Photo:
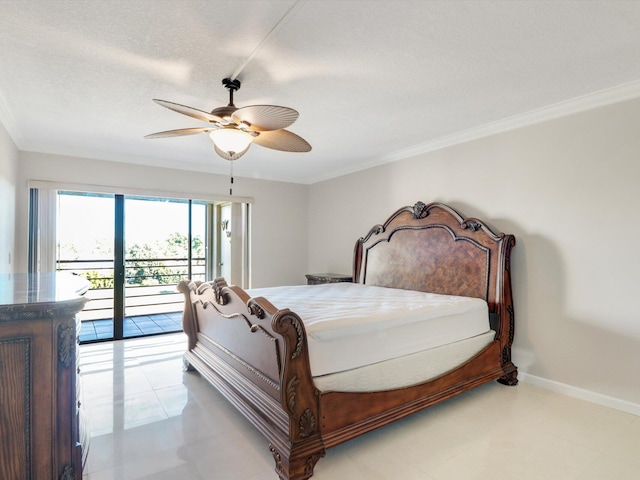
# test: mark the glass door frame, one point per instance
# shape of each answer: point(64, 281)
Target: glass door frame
point(119, 268)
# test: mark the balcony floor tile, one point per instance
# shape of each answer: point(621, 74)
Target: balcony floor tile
point(135, 326)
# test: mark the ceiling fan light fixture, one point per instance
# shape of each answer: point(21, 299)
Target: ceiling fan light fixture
point(231, 140)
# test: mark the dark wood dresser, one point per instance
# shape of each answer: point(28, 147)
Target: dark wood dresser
point(319, 278)
point(39, 407)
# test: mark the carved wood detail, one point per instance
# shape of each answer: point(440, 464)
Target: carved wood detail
point(68, 473)
point(311, 462)
point(506, 350)
point(420, 210)
point(220, 295)
point(307, 423)
point(66, 342)
point(472, 224)
point(278, 459)
point(255, 309)
point(291, 394)
point(295, 322)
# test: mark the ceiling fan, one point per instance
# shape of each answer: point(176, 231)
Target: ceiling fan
point(233, 129)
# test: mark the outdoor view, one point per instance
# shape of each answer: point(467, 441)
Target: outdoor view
point(156, 254)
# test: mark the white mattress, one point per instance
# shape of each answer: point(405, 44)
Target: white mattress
point(407, 370)
point(351, 325)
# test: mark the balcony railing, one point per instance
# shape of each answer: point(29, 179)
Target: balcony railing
point(150, 284)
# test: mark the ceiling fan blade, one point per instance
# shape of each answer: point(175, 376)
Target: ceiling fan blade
point(283, 140)
point(190, 111)
point(180, 132)
point(264, 118)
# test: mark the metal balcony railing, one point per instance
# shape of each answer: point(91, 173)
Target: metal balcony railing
point(150, 284)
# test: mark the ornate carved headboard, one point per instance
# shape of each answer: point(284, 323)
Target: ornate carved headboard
point(432, 248)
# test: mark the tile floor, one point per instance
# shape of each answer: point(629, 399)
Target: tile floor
point(136, 326)
point(149, 420)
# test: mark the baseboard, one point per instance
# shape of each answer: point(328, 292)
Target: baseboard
point(582, 394)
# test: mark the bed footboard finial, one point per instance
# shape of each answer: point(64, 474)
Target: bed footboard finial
point(255, 309)
point(189, 321)
point(218, 284)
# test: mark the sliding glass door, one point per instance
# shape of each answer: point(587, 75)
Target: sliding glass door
point(134, 250)
point(164, 242)
point(85, 246)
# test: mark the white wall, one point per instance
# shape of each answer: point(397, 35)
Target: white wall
point(8, 178)
point(569, 191)
point(279, 210)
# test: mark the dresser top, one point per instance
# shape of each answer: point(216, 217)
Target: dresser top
point(43, 290)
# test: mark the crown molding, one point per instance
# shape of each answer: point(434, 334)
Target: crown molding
point(602, 98)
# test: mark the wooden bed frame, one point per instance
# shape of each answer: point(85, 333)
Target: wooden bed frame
point(256, 355)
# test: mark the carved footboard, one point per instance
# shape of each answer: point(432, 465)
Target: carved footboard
point(257, 357)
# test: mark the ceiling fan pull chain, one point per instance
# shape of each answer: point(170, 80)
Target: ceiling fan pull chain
point(231, 179)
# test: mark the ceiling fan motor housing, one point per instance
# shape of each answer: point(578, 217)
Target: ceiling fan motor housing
point(224, 112)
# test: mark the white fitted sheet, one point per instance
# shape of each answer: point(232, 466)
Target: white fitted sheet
point(351, 325)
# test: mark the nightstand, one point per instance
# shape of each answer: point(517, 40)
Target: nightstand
point(319, 278)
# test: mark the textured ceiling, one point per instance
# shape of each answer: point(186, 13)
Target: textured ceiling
point(373, 80)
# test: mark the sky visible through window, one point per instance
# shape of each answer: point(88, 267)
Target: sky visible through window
point(87, 222)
